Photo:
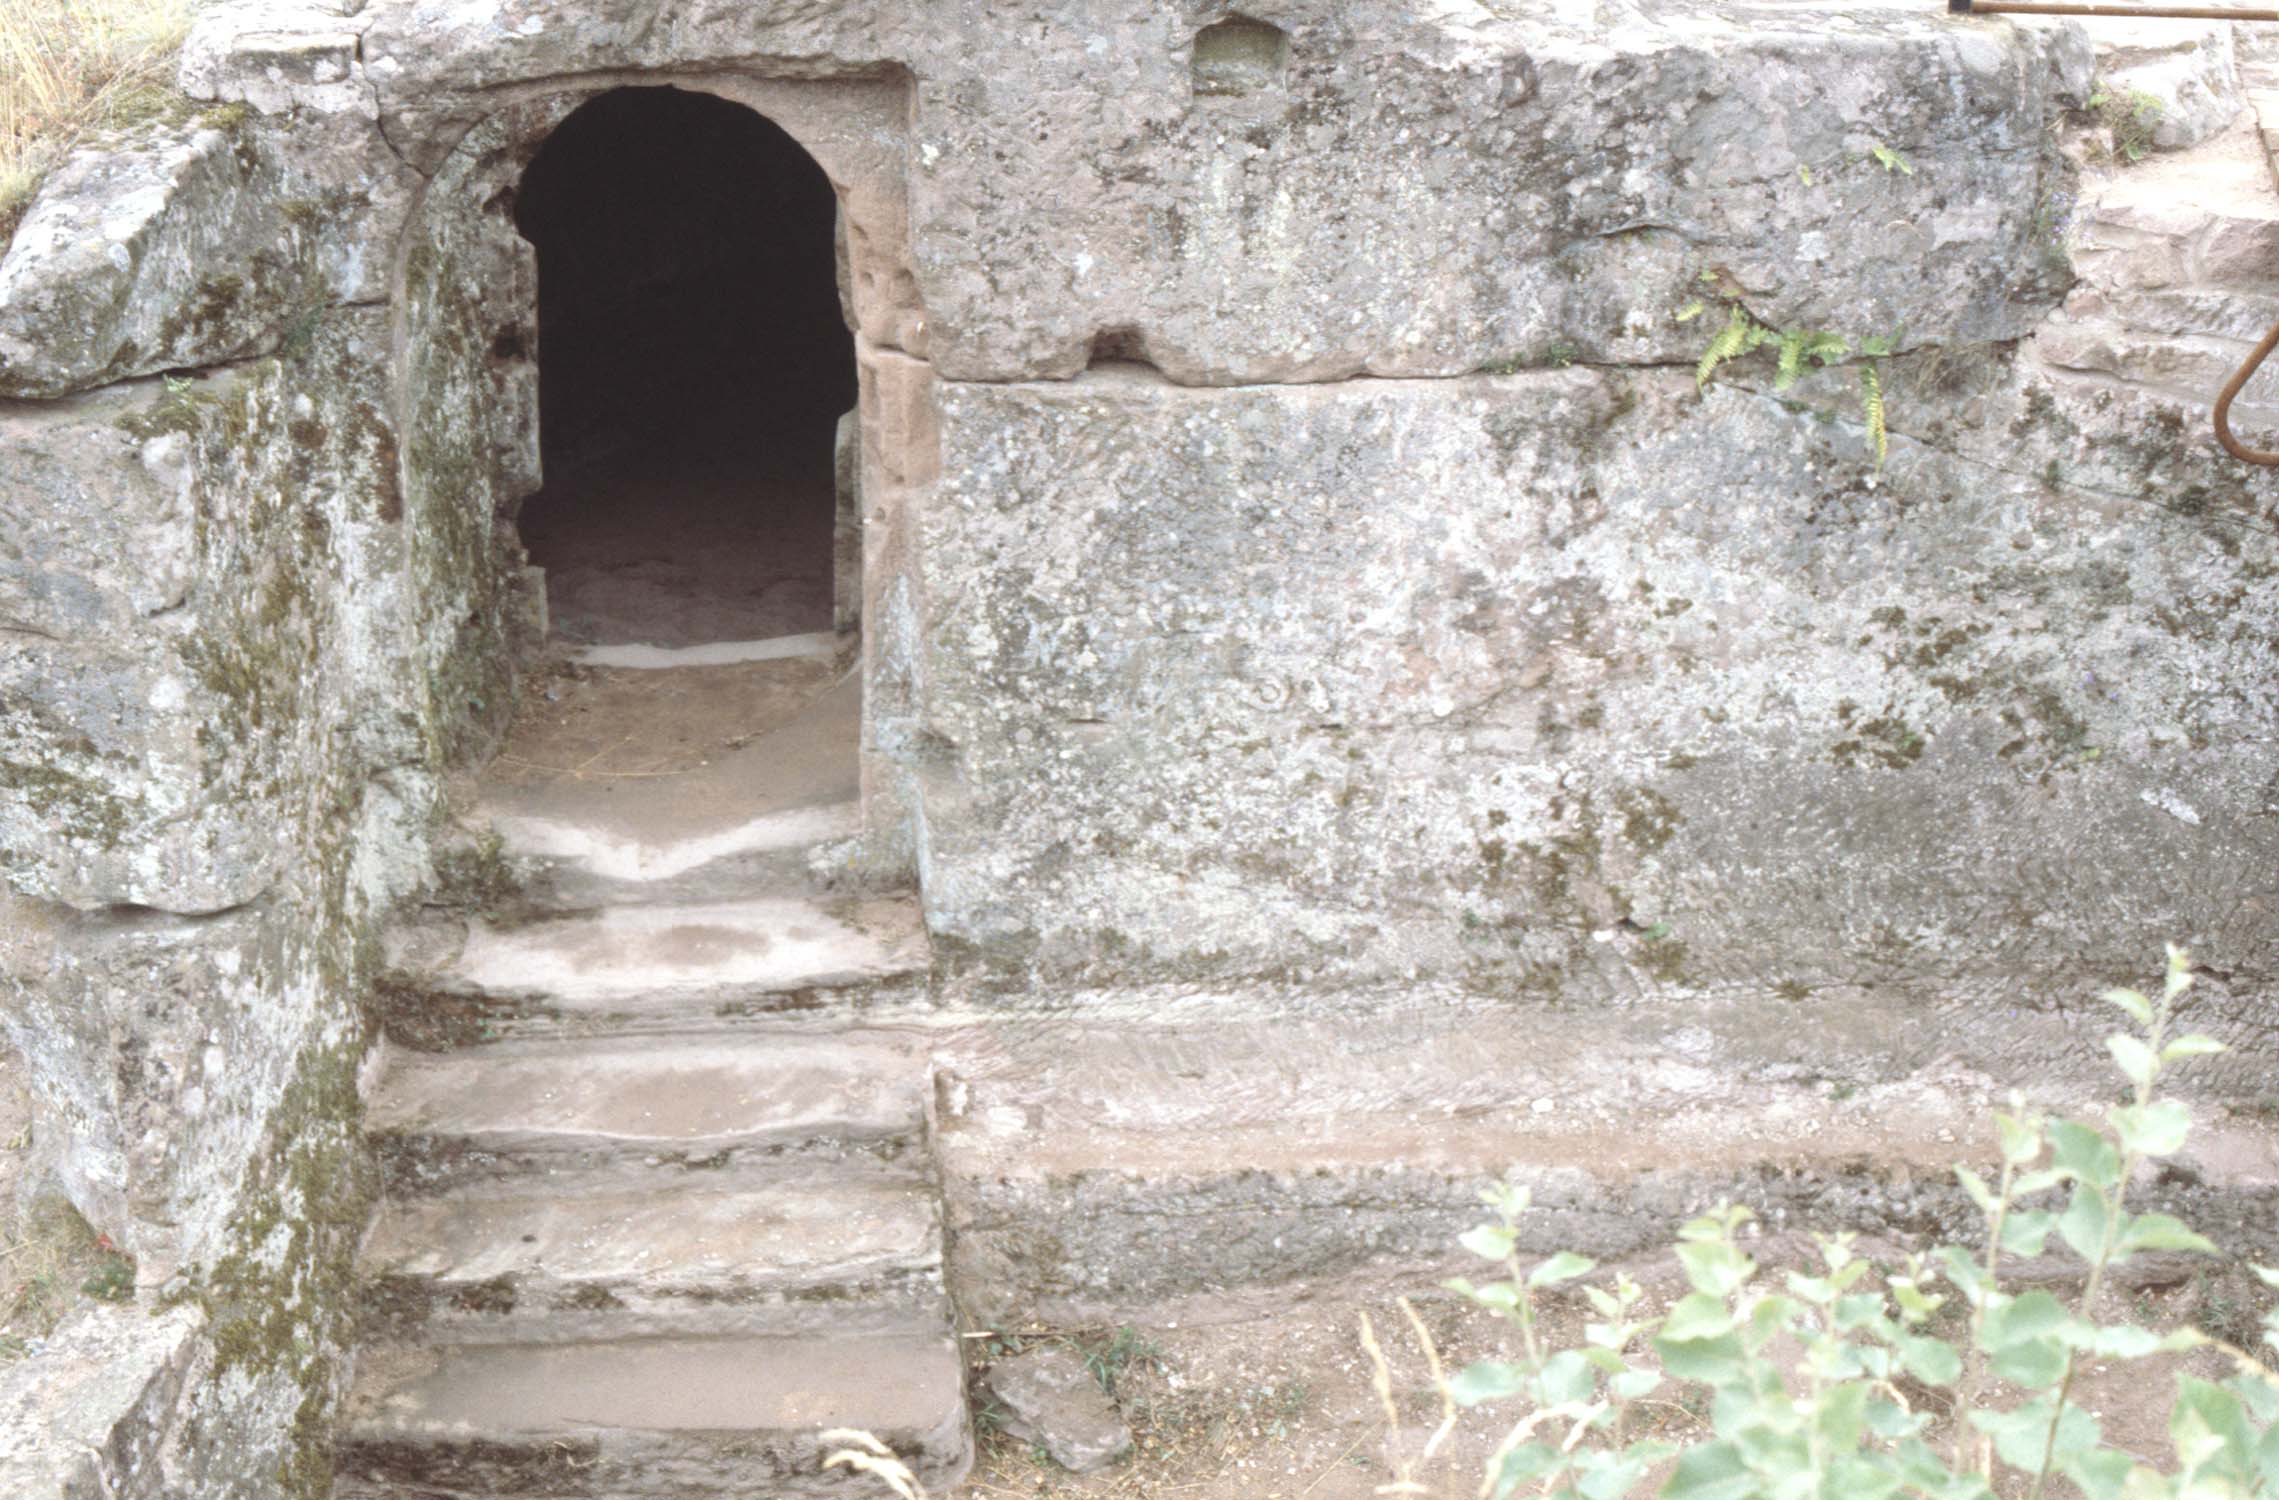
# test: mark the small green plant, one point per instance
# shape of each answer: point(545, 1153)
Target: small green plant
point(1827, 1384)
point(1109, 1359)
point(2130, 116)
point(1743, 334)
point(112, 1280)
point(1890, 160)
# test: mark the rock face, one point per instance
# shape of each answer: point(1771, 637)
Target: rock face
point(1847, 719)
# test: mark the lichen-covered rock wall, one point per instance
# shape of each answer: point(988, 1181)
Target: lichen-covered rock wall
point(1579, 684)
point(221, 766)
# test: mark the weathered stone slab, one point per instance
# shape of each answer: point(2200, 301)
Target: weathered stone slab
point(2179, 79)
point(1408, 191)
point(280, 57)
point(1049, 1397)
point(96, 516)
point(1477, 679)
point(89, 1416)
point(194, 244)
point(1095, 1167)
point(142, 257)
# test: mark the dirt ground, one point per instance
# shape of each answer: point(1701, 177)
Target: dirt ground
point(51, 1263)
point(1284, 1408)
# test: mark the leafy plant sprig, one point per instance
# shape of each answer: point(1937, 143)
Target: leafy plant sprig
point(1808, 1383)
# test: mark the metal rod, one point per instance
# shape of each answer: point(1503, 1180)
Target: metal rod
point(2232, 388)
point(2155, 12)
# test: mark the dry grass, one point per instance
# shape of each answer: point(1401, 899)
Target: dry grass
point(50, 1263)
point(69, 66)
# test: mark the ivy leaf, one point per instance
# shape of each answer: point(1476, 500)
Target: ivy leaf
point(2036, 1364)
point(1565, 1266)
point(1932, 1361)
point(1489, 1241)
point(1698, 1316)
point(2015, 1320)
point(2025, 1231)
point(2084, 1153)
point(2134, 1059)
point(2157, 1129)
point(2085, 1222)
point(2160, 1232)
point(2194, 1045)
point(1710, 1471)
point(2138, 1007)
point(1487, 1380)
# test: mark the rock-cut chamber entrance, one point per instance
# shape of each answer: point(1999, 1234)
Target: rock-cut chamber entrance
point(693, 365)
point(694, 368)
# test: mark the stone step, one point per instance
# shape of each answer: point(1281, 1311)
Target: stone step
point(780, 782)
point(652, 1418)
point(846, 1247)
point(562, 863)
point(440, 1121)
point(634, 968)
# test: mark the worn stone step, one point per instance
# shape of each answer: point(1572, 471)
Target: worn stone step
point(563, 863)
point(443, 1120)
point(781, 784)
point(634, 968)
point(650, 1418)
point(853, 1246)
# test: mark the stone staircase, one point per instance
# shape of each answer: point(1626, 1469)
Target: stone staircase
point(661, 1204)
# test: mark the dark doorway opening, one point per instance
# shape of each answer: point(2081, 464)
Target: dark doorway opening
point(693, 364)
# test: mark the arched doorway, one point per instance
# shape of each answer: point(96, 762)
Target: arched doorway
point(693, 364)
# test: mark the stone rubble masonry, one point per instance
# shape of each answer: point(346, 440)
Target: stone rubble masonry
point(1204, 676)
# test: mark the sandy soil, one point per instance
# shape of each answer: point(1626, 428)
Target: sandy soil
point(685, 541)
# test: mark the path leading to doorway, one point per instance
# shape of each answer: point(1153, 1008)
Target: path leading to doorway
point(710, 532)
point(661, 1198)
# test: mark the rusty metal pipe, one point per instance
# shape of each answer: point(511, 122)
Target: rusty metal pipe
point(2232, 388)
point(2121, 12)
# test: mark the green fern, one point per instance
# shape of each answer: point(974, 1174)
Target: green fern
point(1798, 345)
point(1740, 334)
point(1871, 391)
point(1871, 404)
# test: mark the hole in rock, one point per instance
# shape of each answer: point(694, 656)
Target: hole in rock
point(1239, 56)
point(693, 364)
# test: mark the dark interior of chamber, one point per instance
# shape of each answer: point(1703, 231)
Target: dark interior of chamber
point(693, 365)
